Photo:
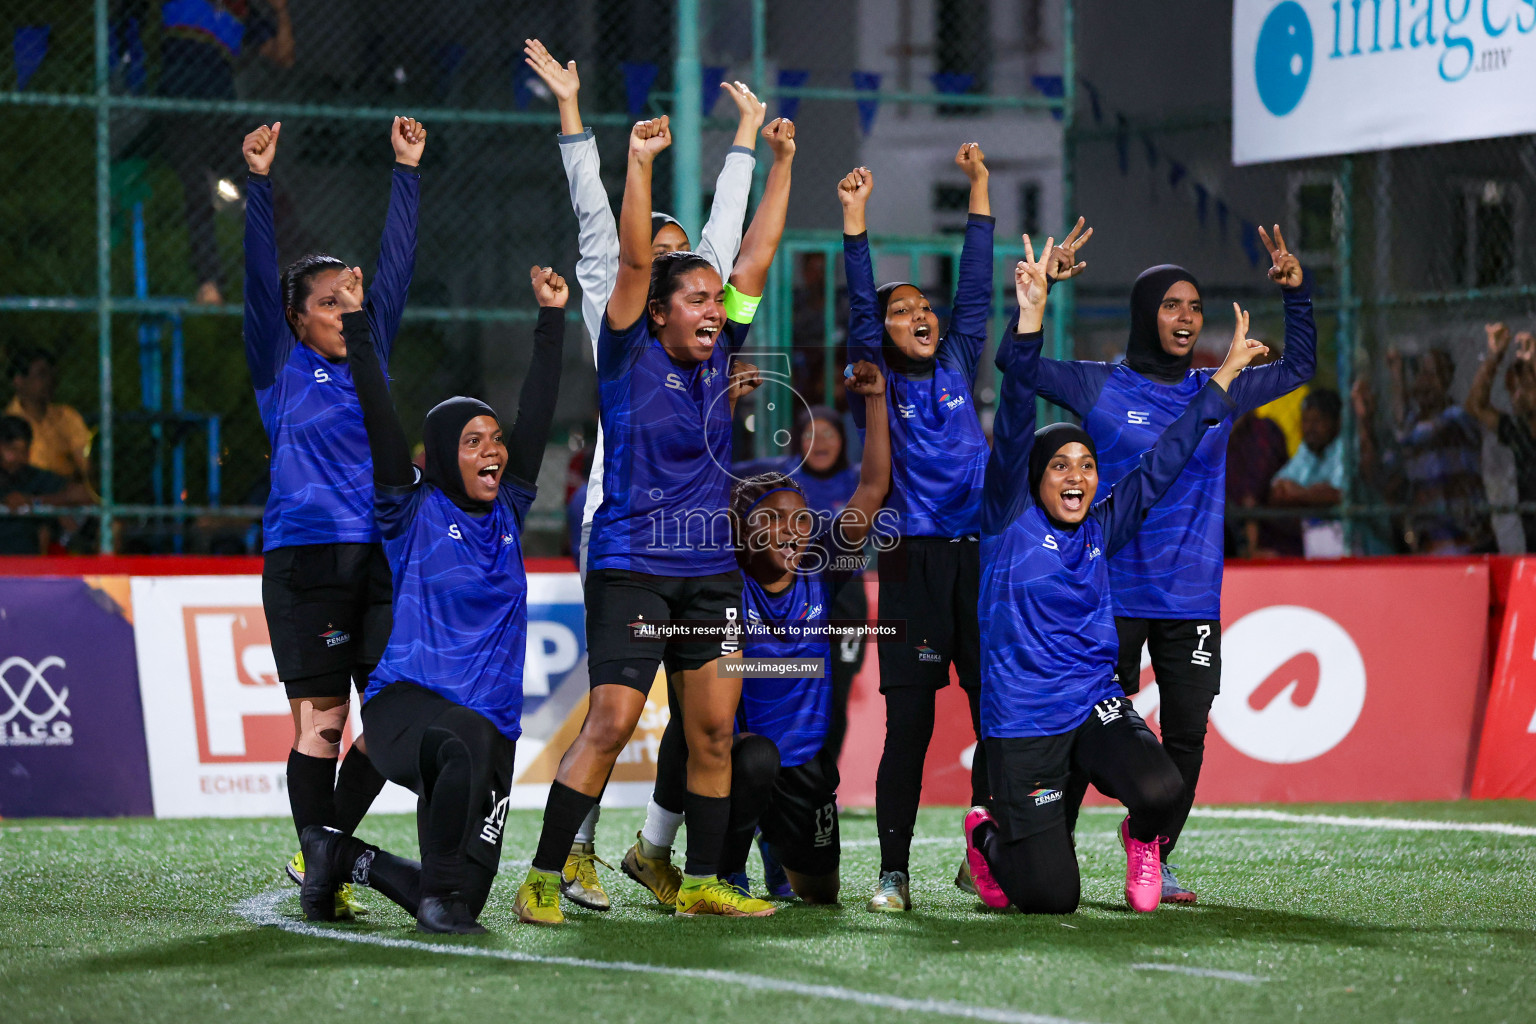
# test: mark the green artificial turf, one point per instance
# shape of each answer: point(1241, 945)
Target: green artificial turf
point(133, 920)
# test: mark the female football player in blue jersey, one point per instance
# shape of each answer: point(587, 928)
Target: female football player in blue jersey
point(929, 577)
point(795, 564)
point(325, 582)
point(661, 546)
point(443, 705)
point(1050, 702)
point(1167, 580)
point(819, 466)
point(596, 270)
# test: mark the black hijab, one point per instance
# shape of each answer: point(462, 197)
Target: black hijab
point(440, 438)
point(1049, 440)
point(1144, 352)
point(804, 418)
point(897, 360)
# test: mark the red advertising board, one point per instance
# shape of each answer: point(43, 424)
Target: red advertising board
point(1506, 761)
point(1340, 682)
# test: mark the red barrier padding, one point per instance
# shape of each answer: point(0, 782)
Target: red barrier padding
point(1506, 761)
point(1341, 682)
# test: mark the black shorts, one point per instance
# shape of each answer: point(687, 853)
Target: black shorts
point(328, 614)
point(933, 584)
point(1029, 773)
point(801, 819)
point(1185, 653)
point(852, 604)
point(403, 721)
point(617, 598)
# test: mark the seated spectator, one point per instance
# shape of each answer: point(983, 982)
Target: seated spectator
point(60, 438)
point(22, 485)
point(1314, 476)
point(1255, 453)
point(1434, 462)
point(1516, 430)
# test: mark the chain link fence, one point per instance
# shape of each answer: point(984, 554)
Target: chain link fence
point(121, 284)
point(1412, 252)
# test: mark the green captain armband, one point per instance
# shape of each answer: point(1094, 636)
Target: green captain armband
point(738, 307)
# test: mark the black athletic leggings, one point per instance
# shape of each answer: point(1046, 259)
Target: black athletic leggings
point(909, 717)
point(1030, 851)
point(1186, 659)
point(459, 765)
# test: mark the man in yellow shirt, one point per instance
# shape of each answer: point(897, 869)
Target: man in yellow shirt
point(60, 438)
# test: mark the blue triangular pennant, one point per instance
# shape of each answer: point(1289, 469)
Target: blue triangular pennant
point(867, 81)
point(790, 78)
point(639, 76)
point(30, 46)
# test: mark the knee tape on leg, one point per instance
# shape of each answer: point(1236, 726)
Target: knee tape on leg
point(320, 731)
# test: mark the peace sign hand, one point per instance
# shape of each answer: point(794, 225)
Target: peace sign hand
point(1286, 271)
point(1064, 265)
point(1030, 285)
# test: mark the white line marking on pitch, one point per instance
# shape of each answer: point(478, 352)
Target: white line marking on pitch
point(1201, 972)
point(1390, 824)
point(262, 910)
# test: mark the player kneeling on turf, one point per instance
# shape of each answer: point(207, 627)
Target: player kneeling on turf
point(1049, 700)
point(784, 782)
point(443, 707)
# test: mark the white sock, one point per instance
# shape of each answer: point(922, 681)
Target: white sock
point(589, 824)
point(661, 825)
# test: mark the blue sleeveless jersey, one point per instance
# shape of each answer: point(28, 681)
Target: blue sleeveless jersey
point(1172, 569)
point(1048, 639)
point(461, 599)
point(322, 473)
point(666, 456)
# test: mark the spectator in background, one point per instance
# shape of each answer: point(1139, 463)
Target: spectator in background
point(1314, 476)
point(201, 43)
point(60, 439)
point(1434, 462)
point(1516, 430)
point(1255, 453)
point(22, 485)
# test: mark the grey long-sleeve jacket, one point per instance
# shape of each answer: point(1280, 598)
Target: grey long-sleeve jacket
point(597, 262)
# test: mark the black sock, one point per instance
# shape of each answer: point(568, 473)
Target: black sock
point(397, 878)
point(754, 769)
point(311, 790)
point(564, 812)
point(357, 784)
point(707, 818)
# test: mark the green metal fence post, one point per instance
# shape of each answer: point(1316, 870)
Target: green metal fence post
point(104, 269)
point(687, 119)
point(1345, 358)
point(759, 81)
point(1063, 306)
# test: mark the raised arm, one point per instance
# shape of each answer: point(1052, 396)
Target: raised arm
point(268, 339)
point(1264, 384)
point(721, 237)
point(397, 249)
point(1005, 494)
point(386, 437)
point(627, 303)
point(1480, 398)
point(865, 328)
point(858, 516)
point(967, 335)
point(541, 387)
point(597, 234)
point(1126, 507)
point(750, 275)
